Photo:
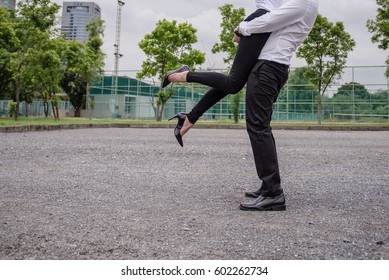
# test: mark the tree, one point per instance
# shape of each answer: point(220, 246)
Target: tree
point(353, 90)
point(35, 18)
point(230, 20)
point(299, 92)
point(325, 51)
point(7, 46)
point(166, 47)
point(84, 62)
point(75, 87)
point(73, 82)
point(380, 102)
point(380, 28)
point(44, 71)
point(94, 57)
point(351, 99)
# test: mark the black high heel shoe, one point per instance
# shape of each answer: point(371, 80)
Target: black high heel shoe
point(166, 81)
point(181, 118)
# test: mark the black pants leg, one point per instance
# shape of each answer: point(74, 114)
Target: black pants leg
point(263, 87)
point(246, 56)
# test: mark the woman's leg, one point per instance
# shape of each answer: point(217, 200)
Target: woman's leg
point(245, 59)
point(246, 56)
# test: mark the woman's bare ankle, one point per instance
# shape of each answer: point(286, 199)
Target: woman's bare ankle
point(185, 127)
point(178, 77)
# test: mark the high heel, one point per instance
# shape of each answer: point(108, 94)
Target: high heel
point(181, 118)
point(166, 81)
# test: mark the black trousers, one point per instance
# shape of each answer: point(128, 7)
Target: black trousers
point(263, 87)
point(246, 57)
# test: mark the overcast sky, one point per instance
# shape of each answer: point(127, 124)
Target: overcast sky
point(140, 17)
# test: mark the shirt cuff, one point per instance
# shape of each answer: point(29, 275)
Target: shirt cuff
point(243, 28)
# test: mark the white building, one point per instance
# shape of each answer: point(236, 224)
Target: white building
point(75, 17)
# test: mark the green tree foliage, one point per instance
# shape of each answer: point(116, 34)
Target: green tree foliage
point(353, 90)
point(38, 14)
point(380, 102)
point(44, 72)
point(73, 82)
point(166, 47)
point(351, 99)
point(300, 89)
point(230, 20)
point(325, 51)
point(93, 57)
point(33, 28)
point(7, 46)
point(34, 60)
point(380, 28)
point(84, 62)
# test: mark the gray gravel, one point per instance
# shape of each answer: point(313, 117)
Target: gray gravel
point(136, 194)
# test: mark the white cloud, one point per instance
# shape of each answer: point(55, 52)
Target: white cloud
point(355, 14)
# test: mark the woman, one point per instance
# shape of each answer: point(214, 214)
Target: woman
point(246, 57)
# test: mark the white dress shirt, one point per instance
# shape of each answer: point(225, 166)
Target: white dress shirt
point(268, 5)
point(290, 25)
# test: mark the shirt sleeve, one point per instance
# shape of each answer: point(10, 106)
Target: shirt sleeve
point(289, 13)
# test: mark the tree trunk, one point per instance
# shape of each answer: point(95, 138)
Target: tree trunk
point(77, 112)
point(17, 100)
point(88, 98)
point(27, 109)
point(46, 108)
point(53, 109)
point(319, 108)
point(160, 112)
point(55, 112)
point(157, 113)
point(155, 109)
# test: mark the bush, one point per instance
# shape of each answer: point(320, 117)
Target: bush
point(12, 108)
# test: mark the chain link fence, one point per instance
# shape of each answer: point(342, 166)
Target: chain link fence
point(362, 94)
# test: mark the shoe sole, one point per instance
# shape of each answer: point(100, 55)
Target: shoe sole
point(272, 208)
point(252, 196)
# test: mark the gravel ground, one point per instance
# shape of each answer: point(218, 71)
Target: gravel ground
point(136, 194)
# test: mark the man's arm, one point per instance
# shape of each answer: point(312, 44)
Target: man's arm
point(289, 13)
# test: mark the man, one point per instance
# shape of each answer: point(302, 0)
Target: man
point(289, 26)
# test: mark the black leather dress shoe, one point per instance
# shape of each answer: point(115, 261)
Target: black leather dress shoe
point(166, 81)
point(263, 203)
point(253, 194)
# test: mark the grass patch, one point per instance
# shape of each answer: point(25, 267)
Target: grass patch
point(23, 121)
point(50, 121)
point(332, 124)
